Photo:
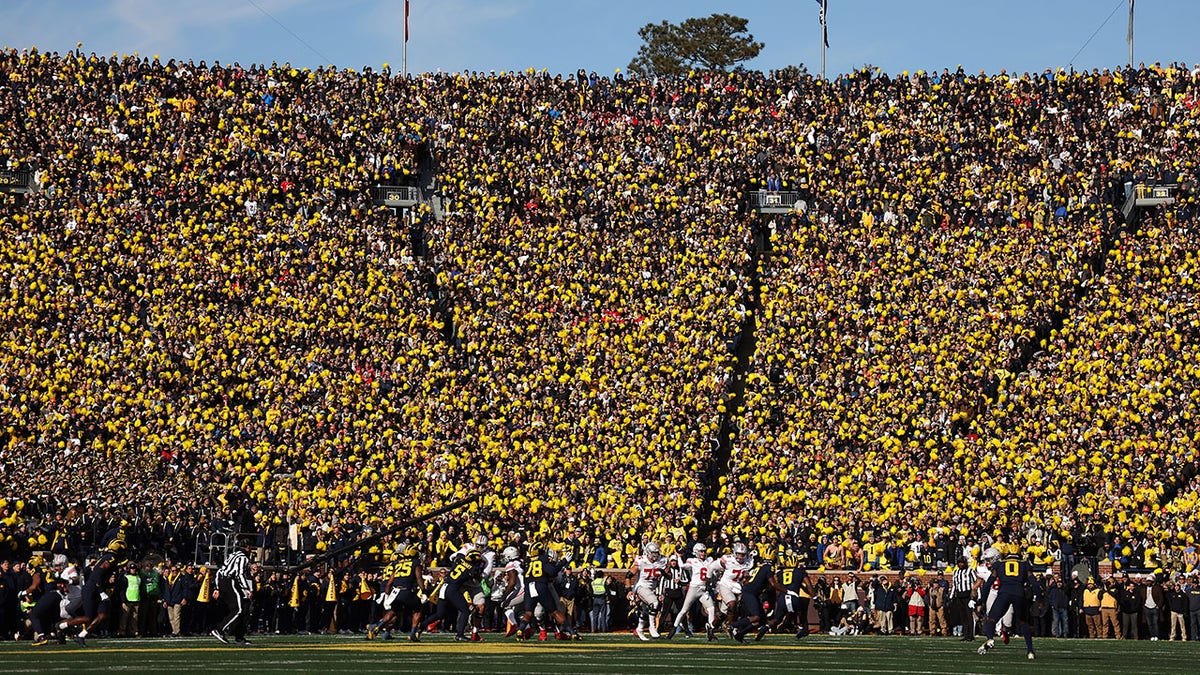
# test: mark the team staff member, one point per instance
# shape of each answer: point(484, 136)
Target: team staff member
point(234, 588)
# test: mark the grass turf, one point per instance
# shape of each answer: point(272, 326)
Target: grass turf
point(598, 654)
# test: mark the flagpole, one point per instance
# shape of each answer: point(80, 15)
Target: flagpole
point(1130, 33)
point(824, 33)
point(404, 51)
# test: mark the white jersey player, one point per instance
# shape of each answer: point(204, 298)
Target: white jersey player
point(513, 577)
point(983, 572)
point(649, 568)
point(733, 567)
point(697, 568)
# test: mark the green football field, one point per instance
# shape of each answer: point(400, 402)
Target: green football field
point(600, 654)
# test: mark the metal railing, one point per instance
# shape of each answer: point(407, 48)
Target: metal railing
point(395, 195)
point(774, 202)
point(16, 181)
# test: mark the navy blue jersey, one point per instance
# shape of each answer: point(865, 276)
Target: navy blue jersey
point(464, 572)
point(1011, 575)
point(758, 579)
point(404, 573)
point(792, 578)
point(542, 570)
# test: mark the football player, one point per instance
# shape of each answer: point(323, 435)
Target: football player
point(1012, 578)
point(401, 594)
point(512, 577)
point(458, 595)
point(100, 585)
point(697, 591)
point(47, 610)
point(733, 568)
point(543, 569)
point(475, 588)
point(794, 598)
point(758, 580)
point(985, 589)
point(648, 568)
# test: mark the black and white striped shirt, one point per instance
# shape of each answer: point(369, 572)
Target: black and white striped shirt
point(237, 570)
point(964, 581)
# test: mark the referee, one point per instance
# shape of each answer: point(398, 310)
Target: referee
point(234, 586)
point(960, 600)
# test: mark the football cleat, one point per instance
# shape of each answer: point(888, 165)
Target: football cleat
point(215, 633)
point(985, 647)
point(712, 635)
point(40, 641)
point(542, 635)
point(1031, 656)
point(654, 631)
point(739, 637)
point(461, 638)
point(577, 637)
point(511, 630)
point(641, 634)
point(671, 633)
point(762, 631)
point(372, 631)
point(1004, 634)
point(559, 635)
point(476, 637)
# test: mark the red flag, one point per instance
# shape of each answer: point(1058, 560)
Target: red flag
point(405, 21)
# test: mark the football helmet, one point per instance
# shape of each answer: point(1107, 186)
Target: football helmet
point(510, 554)
point(653, 552)
point(481, 542)
point(991, 555)
point(699, 551)
point(740, 552)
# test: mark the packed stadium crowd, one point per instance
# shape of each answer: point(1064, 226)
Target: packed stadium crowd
point(955, 340)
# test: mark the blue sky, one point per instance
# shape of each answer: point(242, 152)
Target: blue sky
point(601, 35)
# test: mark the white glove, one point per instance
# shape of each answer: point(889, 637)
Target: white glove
point(971, 604)
point(104, 596)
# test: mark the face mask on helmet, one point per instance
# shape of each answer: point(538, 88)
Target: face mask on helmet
point(740, 552)
point(652, 552)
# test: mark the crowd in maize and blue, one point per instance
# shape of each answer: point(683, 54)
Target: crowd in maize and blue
point(207, 324)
